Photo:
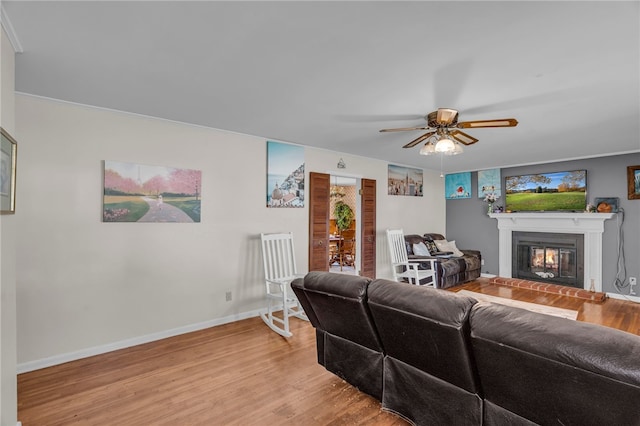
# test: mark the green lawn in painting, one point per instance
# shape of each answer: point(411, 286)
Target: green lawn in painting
point(187, 204)
point(548, 201)
point(124, 208)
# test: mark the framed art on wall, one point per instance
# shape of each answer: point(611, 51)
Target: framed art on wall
point(143, 193)
point(633, 182)
point(8, 152)
point(489, 183)
point(285, 175)
point(457, 186)
point(405, 181)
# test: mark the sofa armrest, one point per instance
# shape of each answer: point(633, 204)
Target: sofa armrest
point(424, 262)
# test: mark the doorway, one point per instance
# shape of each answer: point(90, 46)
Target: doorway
point(344, 215)
point(319, 220)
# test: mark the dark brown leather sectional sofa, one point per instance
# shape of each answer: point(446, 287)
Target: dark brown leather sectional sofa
point(438, 358)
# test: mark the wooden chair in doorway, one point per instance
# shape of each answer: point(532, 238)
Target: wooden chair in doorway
point(348, 248)
point(279, 270)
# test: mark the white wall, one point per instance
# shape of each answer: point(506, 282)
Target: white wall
point(85, 286)
point(8, 232)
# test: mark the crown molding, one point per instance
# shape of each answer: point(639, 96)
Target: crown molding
point(8, 29)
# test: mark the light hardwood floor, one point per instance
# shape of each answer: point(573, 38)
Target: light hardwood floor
point(235, 374)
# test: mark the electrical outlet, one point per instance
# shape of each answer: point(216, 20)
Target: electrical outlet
point(632, 283)
point(229, 296)
point(482, 262)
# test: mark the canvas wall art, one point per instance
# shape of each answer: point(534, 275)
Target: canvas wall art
point(457, 186)
point(142, 193)
point(285, 175)
point(8, 152)
point(633, 182)
point(405, 181)
point(489, 183)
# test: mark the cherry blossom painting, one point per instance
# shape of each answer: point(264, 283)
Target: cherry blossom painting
point(143, 193)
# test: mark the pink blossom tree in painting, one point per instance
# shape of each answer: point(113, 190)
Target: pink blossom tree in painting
point(185, 181)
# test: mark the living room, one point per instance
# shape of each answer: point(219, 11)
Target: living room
point(74, 286)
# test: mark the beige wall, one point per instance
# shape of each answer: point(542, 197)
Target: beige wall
point(8, 235)
point(85, 286)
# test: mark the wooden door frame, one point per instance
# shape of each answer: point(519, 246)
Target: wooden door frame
point(319, 196)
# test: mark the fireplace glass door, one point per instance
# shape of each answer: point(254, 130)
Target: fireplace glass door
point(549, 262)
point(554, 258)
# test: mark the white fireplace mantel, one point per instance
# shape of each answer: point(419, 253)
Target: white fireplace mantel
point(591, 225)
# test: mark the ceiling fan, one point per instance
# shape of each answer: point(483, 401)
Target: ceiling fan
point(444, 126)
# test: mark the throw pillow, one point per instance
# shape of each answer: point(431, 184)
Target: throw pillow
point(431, 246)
point(421, 249)
point(444, 245)
point(409, 248)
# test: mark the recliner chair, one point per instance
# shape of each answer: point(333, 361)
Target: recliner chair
point(348, 344)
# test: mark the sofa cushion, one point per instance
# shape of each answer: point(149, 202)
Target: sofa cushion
point(421, 249)
point(444, 245)
point(425, 315)
point(431, 245)
point(339, 302)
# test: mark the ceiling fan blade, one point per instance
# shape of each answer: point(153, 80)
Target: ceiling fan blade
point(503, 122)
point(462, 137)
point(404, 129)
point(447, 116)
point(419, 139)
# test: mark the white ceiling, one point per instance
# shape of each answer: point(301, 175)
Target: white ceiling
point(331, 74)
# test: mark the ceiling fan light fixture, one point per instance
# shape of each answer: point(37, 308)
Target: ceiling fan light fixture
point(427, 149)
point(458, 149)
point(445, 145)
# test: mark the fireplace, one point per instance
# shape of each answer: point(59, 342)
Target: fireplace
point(589, 225)
point(556, 258)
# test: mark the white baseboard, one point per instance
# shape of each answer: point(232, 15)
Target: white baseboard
point(624, 297)
point(109, 347)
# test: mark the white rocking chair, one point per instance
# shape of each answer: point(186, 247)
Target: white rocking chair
point(401, 267)
point(279, 270)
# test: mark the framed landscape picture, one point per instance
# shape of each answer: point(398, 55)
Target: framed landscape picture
point(143, 193)
point(633, 182)
point(8, 152)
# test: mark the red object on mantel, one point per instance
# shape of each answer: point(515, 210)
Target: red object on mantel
point(550, 288)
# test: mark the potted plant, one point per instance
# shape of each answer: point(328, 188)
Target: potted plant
point(344, 216)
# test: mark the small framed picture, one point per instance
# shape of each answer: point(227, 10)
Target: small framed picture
point(8, 151)
point(633, 182)
point(607, 205)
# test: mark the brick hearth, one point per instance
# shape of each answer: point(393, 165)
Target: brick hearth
point(550, 288)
